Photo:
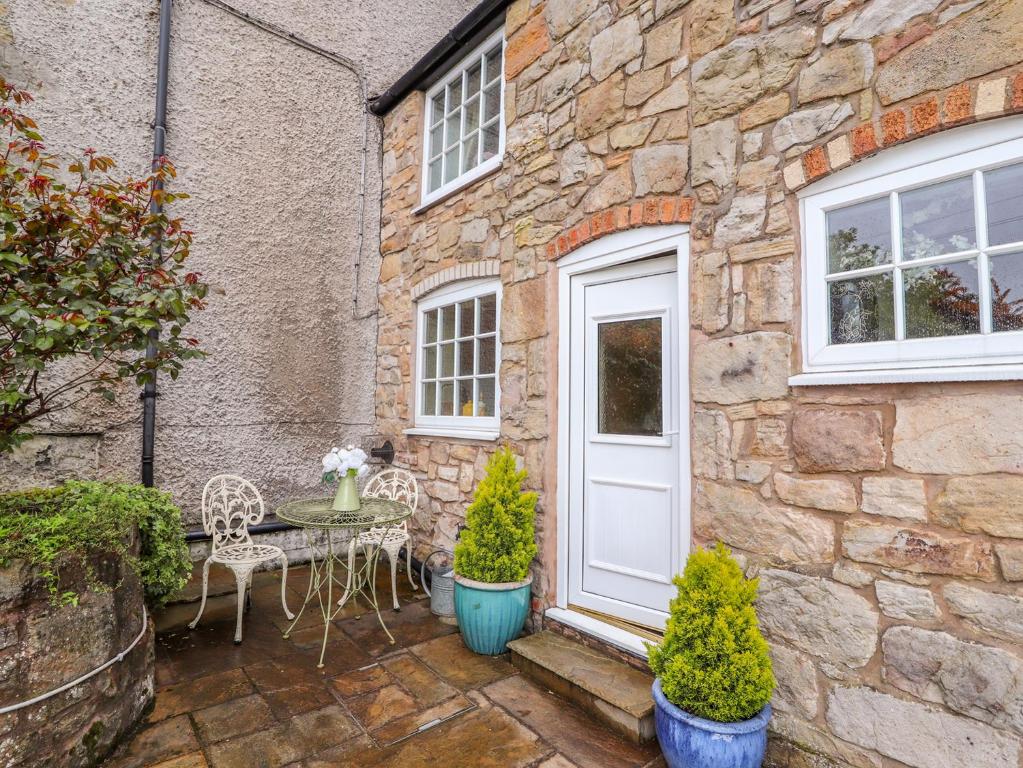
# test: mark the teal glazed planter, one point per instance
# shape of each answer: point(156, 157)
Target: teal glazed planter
point(688, 741)
point(491, 615)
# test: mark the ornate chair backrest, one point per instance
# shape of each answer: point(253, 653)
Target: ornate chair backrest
point(230, 504)
point(396, 485)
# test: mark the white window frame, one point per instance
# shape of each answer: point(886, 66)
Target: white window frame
point(472, 427)
point(487, 166)
point(952, 154)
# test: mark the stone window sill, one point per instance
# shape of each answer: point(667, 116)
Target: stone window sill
point(909, 375)
point(459, 434)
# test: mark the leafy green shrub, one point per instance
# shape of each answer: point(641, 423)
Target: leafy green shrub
point(713, 662)
point(71, 526)
point(497, 545)
point(89, 267)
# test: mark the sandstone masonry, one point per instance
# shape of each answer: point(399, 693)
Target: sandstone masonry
point(883, 520)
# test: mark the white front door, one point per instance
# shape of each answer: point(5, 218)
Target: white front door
point(626, 427)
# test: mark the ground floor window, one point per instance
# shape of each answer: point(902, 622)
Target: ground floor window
point(458, 357)
point(920, 265)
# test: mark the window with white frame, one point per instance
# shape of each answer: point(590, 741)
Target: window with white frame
point(459, 356)
point(918, 263)
point(464, 128)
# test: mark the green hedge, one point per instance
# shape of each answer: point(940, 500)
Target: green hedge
point(73, 525)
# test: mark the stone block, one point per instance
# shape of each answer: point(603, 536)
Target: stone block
point(834, 440)
point(564, 16)
point(660, 168)
point(977, 680)
point(917, 551)
point(982, 505)
point(1010, 558)
point(822, 618)
point(614, 46)
point(601, 106)
point(951, 55)
point(901, 601)
point(835, 495)
point(714, 151)
point(526, 46)
point(712, 439)
point(808, 125)
point(740, 518)
point(959, 435)
point(913, 733)
point(1001, 615)
point(743, 221)
point(736, 75)
point(838, 72)
point(663, 42)
point(796, 675)
point(739, 369)
point(904, 498)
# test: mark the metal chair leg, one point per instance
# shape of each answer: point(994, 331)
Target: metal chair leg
point(284, 587)
point(408, 564)
point(242, 580)
point(392, 557)
point(205, 584)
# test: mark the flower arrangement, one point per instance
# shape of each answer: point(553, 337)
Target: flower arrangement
point(341, 462)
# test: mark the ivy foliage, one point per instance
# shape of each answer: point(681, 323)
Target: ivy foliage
point(713, 662)
point(71, 527)
point(90, 267)
point(498, 543)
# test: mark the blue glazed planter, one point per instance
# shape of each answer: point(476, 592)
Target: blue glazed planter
point(688, 741)
point(491, 615)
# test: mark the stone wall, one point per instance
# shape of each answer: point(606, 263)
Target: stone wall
point(881, 519)
point(43, 646)
point(267, 138)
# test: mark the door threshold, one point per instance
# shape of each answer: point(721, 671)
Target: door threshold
point(625, 636)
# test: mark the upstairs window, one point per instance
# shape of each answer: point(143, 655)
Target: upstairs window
point(464, 125)
point(920, 267)
point(459, 357)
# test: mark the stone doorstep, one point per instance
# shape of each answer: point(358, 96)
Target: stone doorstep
point(606, 688)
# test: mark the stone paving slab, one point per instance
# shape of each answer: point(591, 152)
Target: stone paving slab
point(426, 701)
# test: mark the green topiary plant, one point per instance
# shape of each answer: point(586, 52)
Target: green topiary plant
point(498, 543)
point(54, 528)
point(713, 662)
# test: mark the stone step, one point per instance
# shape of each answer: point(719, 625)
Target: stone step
point(607, 688)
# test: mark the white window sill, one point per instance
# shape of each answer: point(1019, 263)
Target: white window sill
point(460, 434)
point(609, 633)
point(909, 375)
point(480, 172)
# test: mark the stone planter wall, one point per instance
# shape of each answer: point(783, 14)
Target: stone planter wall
point(43, 646)
point(883, 521)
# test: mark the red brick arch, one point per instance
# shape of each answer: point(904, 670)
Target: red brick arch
point(969, 102)
point(651, 210)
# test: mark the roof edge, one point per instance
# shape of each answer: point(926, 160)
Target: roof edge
point(471, 25)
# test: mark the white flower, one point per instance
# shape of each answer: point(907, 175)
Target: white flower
point(331, 462)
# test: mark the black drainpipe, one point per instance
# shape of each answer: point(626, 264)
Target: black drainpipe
point(159, 149)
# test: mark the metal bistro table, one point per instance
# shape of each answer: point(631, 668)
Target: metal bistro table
point(312, 515)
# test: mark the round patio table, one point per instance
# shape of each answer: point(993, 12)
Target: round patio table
point(314, 516)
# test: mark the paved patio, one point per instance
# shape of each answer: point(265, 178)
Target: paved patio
point(425, 701)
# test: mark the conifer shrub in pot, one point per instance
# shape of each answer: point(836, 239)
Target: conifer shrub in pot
point(714, 678)
point(492, 557)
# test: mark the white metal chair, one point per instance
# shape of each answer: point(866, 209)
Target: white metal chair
point(397, 485)
point(230, 505)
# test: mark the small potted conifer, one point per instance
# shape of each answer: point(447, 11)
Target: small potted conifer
point(492, 557)
point(714, 678)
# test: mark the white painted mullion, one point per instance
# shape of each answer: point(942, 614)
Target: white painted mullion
point(897, 282)
point(983, 266)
